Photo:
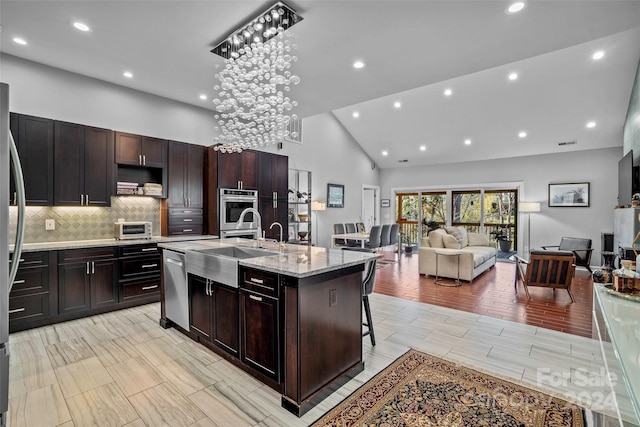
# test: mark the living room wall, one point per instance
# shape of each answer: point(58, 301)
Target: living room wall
point(533, 174)
point(632, 122)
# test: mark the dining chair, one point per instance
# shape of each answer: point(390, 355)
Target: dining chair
point(394, 238)
point(374, 237)
point(350, 227)
point(385, 235)
point(339, 229)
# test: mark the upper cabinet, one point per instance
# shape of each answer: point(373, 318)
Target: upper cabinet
point(238, 170)
point(185, 175)
point(274, 176)
point(34, 139)
point(83, 158)
point(140, 150)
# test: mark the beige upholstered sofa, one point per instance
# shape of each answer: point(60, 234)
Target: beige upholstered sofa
point(476, 253)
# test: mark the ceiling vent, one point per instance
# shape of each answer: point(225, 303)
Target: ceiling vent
point(567, 143)
point(403, 161)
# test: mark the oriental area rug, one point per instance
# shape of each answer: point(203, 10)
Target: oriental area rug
point(423, 390)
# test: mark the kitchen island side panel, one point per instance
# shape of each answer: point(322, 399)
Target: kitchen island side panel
point(323, 338)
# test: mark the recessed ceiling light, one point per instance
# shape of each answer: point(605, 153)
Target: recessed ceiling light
point(591, 125)
point(358, 64)
point(397, 104)
point(598, 55)
point(522, 134)
point(128, 74)
point(423, 148)
point(448, 92)
point(355, 114)
point(467, 142)
point(19, 40)
point(513, 76)
point(515, 7)
point(81, 26)
point(203, 96)
point(385, 153)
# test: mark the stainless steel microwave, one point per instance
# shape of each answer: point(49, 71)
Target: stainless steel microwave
point(133, 230)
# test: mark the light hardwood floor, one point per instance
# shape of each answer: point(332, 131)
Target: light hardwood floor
point(123, 369)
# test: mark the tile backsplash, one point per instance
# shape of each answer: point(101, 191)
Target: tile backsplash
point(85, 223)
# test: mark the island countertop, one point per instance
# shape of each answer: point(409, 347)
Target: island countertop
point(295, 260)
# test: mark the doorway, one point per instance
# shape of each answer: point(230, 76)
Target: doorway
point(370, 206)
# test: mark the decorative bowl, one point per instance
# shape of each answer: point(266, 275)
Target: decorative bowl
point(302, 235)
point(303, 217)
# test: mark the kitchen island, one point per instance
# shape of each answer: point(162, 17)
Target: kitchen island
point(293, 320)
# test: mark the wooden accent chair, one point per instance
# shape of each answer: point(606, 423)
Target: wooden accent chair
point(548, 269)
point(580, 247)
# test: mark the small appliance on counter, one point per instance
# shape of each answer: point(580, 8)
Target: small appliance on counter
point(132, 230)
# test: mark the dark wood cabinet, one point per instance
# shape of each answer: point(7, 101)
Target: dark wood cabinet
point(87, 279)
point(273, 193)
point(260, 324)
point(182, 211)
point(139, 272)
point(140, 150)
point(200, 308)
point(83, 165)
point(226, 317)
point(238, 170)
point(34, 140)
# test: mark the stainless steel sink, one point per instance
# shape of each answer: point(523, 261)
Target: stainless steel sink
point(221, 264)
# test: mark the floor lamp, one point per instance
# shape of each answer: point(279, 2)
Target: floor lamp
point(528, 208)
point(316, 206)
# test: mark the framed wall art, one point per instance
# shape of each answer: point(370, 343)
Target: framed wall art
point(335, 196)
point(385, 203)
point(575, 194)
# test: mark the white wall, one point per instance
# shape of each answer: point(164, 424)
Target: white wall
point(329, 152)
point(44, 91)
point(533, 174)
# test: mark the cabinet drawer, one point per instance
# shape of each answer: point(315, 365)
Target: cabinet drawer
point(185, 212)
point(140, 290)
point(33, 259)
point(261, 282)
point(30, 281)
point(27, 308)
point(185, 220)
point(142, 266)
point(185, 229)
point(88, 254)
point(135, 250)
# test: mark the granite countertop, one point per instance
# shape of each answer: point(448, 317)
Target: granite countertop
point(295, 260)
point(79, 244)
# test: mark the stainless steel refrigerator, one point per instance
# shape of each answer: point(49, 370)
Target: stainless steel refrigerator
point(7, 271)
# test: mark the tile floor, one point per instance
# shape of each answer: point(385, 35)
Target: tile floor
point(123, 369)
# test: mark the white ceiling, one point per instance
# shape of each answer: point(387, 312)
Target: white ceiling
point(412, 50)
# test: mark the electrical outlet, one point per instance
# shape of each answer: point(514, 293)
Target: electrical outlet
point(49, 224)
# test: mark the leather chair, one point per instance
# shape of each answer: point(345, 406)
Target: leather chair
point(394, 238)
point(548, 269)
point(350, 227)
point(580, 247)
point(374, 237)
point(339, 229)
point(385, 235)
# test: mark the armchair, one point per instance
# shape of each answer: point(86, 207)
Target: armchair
point(580, 247)
point(548, 269)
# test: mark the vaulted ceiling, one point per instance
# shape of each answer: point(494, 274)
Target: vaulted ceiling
point(412, 50)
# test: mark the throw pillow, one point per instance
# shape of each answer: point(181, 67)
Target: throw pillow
point(435, 238)
point(477, 239)
point(450, 242)
point(460, 234)
point(424, 242)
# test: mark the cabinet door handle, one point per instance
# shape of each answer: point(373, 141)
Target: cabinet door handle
point(187, 220)
point(86, 199)
point(187, 211)
point(149, 249)
point(18, 282)
point(93, 267)
point(87, 267)
point(21, 260)
point(15, 198)
point(189, 199)
point(258, 281)
point(82, 200)
point(149, 265)
point(17, 310)
point(173, 261)
point(146, 288)
point(144, 159)
point(187, 230)
point(139, 159)
point(275, 204)
point(255, 298)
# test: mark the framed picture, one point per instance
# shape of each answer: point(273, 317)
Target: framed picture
point(574, 194)
point(335, 196)
point(385, 203)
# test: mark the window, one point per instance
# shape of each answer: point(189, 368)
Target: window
point(434, 208)
point(466, 209)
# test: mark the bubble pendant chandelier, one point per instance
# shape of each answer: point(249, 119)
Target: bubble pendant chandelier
point(252, 106)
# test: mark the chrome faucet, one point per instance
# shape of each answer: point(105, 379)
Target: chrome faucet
point(257, 214)
point(280, 243)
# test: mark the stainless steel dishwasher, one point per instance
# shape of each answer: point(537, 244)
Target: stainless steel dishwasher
point(176, 290)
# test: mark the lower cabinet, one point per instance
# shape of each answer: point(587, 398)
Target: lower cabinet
point(260, 323)
point(87, 279)
point(214, 313)
point(139, 272)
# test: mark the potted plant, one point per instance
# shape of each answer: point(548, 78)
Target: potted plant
point(503, 236)
point(408, 247)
